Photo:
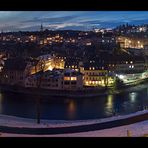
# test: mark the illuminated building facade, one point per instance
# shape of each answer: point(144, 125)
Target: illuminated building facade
point(96, 75)
point(56, 79)
point(47, 62)
point(130, 70)
point(132, 42)
point(72, 63)
point(45, 80)
point(72, 80)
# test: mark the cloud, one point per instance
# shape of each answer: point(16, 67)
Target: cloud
point(50, 19)
point(31, 20)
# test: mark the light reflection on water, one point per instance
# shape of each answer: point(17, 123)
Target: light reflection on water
point(109, 105)
point(72, 108)
point(1, 97)
point(133, 96)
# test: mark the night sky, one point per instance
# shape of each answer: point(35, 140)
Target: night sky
point(76, 20)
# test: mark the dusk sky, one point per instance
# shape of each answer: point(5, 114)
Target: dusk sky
point(76, 20)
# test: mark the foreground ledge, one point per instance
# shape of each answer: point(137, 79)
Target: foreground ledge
point(16, 125)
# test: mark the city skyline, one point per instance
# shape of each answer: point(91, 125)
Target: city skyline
point(68, 20)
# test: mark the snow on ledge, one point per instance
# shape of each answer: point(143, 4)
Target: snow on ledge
point(13, 121)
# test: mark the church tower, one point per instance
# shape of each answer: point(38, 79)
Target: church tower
point(41, 28)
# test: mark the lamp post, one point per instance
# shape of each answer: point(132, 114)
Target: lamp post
point(38, 110)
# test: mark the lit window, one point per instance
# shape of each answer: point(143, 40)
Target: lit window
point(88, 44)
point(66, 78)
point(73, 78)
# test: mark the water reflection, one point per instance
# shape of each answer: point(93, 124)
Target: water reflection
point(55, 108)
point(109, 105)
point(71, 109)
point(109, 101)
point(1, 98)
point(133, 96)
point(147, 91)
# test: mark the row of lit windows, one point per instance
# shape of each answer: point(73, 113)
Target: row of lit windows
point(99, 74)
point(71, 66)
point(93, 78)
point(94, 82)
point(132, 66)
point(93, 68)
point(70, 78)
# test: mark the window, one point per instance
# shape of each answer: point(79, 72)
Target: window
point(73, 78)
point(66, 78)
point(66, 83)
point(74, 83)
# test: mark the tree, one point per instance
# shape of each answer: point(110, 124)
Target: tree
point(118, 83)
point(39, 70)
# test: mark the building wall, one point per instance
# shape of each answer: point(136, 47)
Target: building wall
point(46, 82)
point(73, 82)
point(130, 67)
point(52, 83)
point(13, 77)
point(59, 83)
point(48, 64)
point(96, 77)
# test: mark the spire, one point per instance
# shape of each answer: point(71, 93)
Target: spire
point(41, 29)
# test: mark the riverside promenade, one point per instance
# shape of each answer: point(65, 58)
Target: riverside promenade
point(15, 125)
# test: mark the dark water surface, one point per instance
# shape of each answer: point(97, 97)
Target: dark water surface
point(74, 109)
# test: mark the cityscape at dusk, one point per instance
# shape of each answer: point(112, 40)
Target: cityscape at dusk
point(75, 20)
point(74, 73)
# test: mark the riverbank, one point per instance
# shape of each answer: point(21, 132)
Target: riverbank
point(13, 121)
point(21, 123)
point(84, 93)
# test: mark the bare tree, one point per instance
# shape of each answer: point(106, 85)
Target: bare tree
point(39, 68)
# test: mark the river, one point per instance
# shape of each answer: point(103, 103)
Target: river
point(55, 108)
